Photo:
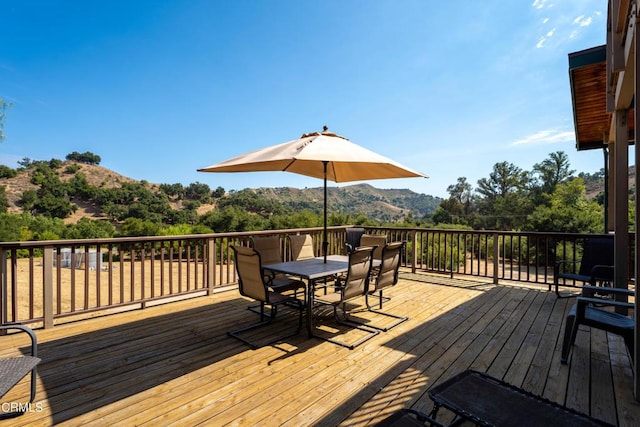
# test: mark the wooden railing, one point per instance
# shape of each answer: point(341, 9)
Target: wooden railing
point(49, 282)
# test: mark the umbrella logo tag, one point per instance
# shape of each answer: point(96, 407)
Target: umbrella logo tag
point(304, 144)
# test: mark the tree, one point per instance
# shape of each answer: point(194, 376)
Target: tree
point(4, 202)
point(11, 226)
point(86, 157)
point(458, 207)
point(569, 211)
point(218, 192)
point(7, 172)
point(54, 207)
point(506, 178)
point(173, 190)
point(299, 219)
point(232, 218)
point(504, 204)
point(79, 186)
point(549, 173)
point(40, 227)
point(25, 162)
point(139, 227)
point(88, 229)
point(198, 191)
point(28, 200)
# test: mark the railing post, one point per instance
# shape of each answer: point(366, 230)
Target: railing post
point(414, 239)
point(4, 281)
point(211, 262)
point(47, 275)
point(496, 256)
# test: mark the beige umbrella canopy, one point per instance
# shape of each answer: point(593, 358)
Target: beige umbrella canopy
point(321, 155)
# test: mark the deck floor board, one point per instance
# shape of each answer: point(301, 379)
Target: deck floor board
point(175, 365)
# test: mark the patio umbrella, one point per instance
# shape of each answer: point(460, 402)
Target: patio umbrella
point(321, 155)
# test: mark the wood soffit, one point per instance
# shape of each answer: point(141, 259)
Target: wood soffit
point(588, 79)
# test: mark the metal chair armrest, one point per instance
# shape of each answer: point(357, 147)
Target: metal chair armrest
point(590, 291)
point(604, 302)
point(28, 331)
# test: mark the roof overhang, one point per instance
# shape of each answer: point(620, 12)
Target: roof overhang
point(588, 79)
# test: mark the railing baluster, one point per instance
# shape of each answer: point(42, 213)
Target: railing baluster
point(151, 268)
point(47, 291)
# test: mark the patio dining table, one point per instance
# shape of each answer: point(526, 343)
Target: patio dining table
point(311, 270)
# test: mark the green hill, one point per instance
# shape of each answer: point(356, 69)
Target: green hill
point(387, 205)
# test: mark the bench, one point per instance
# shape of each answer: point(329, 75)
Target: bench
point(14, 369)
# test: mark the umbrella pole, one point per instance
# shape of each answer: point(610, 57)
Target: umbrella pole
point(325, 243)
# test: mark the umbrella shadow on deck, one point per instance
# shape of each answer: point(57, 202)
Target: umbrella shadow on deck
point(84, 372)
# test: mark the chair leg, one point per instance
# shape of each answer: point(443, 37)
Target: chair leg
point(269, 318)
point(629, 341)
point(570, 331)
point(381, 298)
point(558, 294)
point(346, 322)
point(259, 309)
point(393, 325)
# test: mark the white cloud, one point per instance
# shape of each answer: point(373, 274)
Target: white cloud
point(571, 20)
point(544, 38)
point(551, 136)
point(583, 21)
point(539, 4)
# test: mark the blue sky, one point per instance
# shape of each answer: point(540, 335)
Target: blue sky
point(161, 88)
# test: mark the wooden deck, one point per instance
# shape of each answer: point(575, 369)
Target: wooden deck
point(175, 365)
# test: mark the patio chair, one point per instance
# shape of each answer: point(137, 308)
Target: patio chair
point(301, 246)
point(596, 265)
point(14, 369)
point(252, 283)
point(352, 238)
point(379, 241)
point(354, 285)
point(387, 276)
point(590, 310)
point(269, 249)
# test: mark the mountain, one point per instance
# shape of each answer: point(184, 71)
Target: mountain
point(379, 204)
point(594, 183)
point(376, 203)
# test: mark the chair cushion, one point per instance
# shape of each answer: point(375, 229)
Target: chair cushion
point(13, 369)
point(277, 298)
point(284, 284)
